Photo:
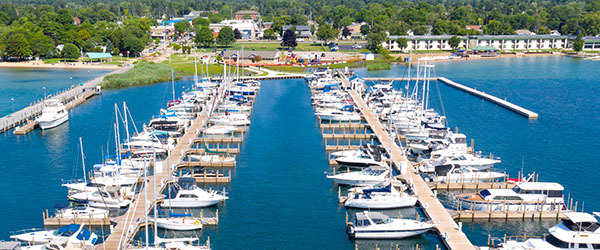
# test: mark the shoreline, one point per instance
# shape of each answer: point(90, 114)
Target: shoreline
point(42, 65)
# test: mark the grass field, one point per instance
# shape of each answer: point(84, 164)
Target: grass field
point(141, 74)
point(184, 66)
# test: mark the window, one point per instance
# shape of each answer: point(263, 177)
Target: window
point(188, 196)
point(555, 193)
point(556, 242)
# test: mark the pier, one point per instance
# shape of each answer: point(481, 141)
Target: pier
point(70, 97)
point(452, 235)
point(500, 102)
point(129, 223)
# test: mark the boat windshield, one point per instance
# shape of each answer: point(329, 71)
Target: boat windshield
point(582, 226)
point(373, 172)
point(484, 193)
point(459, 158)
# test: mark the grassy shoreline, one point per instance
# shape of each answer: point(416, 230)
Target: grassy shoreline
point(142, 74)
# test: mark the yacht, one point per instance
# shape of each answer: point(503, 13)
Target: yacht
point(365, 159)
point(106, 197)
point(213, 159)
point(179, 223)
point(524, 196)
point(185, 194)
point(385, 197)
point(220, 129)
point(454, 173)
point(81, 212)
point(367, 177)
point(335, 115)
point(231, 120)
point(375, 225)
point(577, 230)
point(71, 235)
point(53, 114)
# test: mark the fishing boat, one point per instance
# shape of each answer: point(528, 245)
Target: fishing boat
point(179, 222)
point(385, 197)
point(578, 230)
point(366, 177)
point(454, 173)
point(53, 114)
point(375, 225)
point(185, 194)
point(524, 196)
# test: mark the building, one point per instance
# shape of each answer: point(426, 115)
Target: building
point(302, 31)
point(265, 56)
point(197, 13)
point(248, 28)
point(473, 27)
point(524, 33)
point(246, 13)
point(161, 31)
point(501, 42)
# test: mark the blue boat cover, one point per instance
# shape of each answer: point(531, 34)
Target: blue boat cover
point(171, 214)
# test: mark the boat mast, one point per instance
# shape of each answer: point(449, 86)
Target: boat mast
point(154, 198)
point(173, 83)
point(117, 135)
point(146, 199)
point(82, 159)
point(125, 121)
point(409, 64)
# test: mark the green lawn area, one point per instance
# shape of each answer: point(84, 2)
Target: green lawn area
point(185, 66)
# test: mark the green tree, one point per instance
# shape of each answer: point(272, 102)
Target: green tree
point(156, 41)
point(578, 43)
point(543, 30)
point(133, 44)
point(375, 39)
point(493, 28)
point(201, 21)
point(365, 29)
point(402, 43)
point(71, 51)
point(182, 27)
point(41, 45)
point(345, 32)
point(237, 34)
point(326, 33)
point(269, 34)
point(454, 42)
point(299, 19)
point(204, 37)
point(18, 46)
point(289, 39)
point(226, 36)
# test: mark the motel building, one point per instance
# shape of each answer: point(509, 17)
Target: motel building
point(502, 42)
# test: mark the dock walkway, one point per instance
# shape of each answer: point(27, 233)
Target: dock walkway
point(136, 211)
point(451, 233)
point(71, 97)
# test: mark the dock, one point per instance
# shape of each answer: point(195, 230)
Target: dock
point(122, 233)
point(500, 102)
point(451, 234)
point(71, 97)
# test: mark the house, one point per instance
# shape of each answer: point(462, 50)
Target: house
point(77, 21)
point(248, 28)
point(501, 42)
point(267, 25)
point(473, 27)
point(355, 27)
point(591, 43)
point(246, 13)
point(265, 56)
point(438, 42)
point(524, 32)
point(161, 31)
point(554, 33)
point(302, 31)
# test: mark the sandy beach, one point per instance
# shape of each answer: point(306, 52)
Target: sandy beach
point(42, 65)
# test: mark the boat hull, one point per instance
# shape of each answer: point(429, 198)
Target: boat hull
point(398, 234)
point(54, 123)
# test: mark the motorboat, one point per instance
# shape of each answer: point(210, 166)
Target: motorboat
point(213, 159)
point(338, 115)
point(74, 235)
point(54, 113)
point(106, 197)
point(524, 196)
point(385, 197)
point(81, 212)
point(231, 120)
point(578, 230)
point(220, 129)
point(454, 173)
point(365, 159)
point(366, 177)
point(185, 194)
point(179, 222)
point(376, 225)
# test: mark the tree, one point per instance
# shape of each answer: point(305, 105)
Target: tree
point(326, 33)
point(454, 42)
point(41, 45)
point(578, 43)
point(182, 27)
point(237, 34)
point(71, 51)
point(402, 43)
point(204, 37)
point(345, 32)
point(133, 44)
point(289, 39)
point(226, 36)
point(269, 34)
point(493, 28)
point(543, 30)
point(156, 41)
point(375, 39)
point(18, 46)
point(365, 29)
point(201, 21)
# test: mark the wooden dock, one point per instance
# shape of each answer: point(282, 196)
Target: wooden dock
point(57, 221)
point(508, 105)
point(452, 235)
point(232, 151)
point(71, 97)
point(387, 79)
point(127, 225)
point(25, 128)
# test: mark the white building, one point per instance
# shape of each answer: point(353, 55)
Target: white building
point(248, 28)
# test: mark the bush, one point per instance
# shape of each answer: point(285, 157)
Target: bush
point(143, 73)
point(378, 66)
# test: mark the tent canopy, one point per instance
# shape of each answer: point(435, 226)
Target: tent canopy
point(96, 55)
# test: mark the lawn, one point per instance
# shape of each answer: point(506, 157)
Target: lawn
point(184, 66)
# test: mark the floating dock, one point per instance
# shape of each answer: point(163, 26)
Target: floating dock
point(452, 235)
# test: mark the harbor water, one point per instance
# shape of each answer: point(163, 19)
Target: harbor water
point(279, 196)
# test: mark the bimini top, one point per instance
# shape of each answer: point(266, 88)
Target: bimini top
point(375, 216)
point(578, 217)
point(540, 186)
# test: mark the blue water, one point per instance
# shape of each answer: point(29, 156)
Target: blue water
point(279, 197)
point(26, 85)
point(560, 145)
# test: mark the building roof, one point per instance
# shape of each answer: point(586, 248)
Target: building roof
point(473, 27)
point(434, 37)
point(298, 27)
point(524, 32)
point(251, 54)
point(484, 48)
point(95, 55)
point(517, 37)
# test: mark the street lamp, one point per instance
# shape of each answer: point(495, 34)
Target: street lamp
point(128, 55)
point(44, 88)
point(71, 81)
point(13, 104)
